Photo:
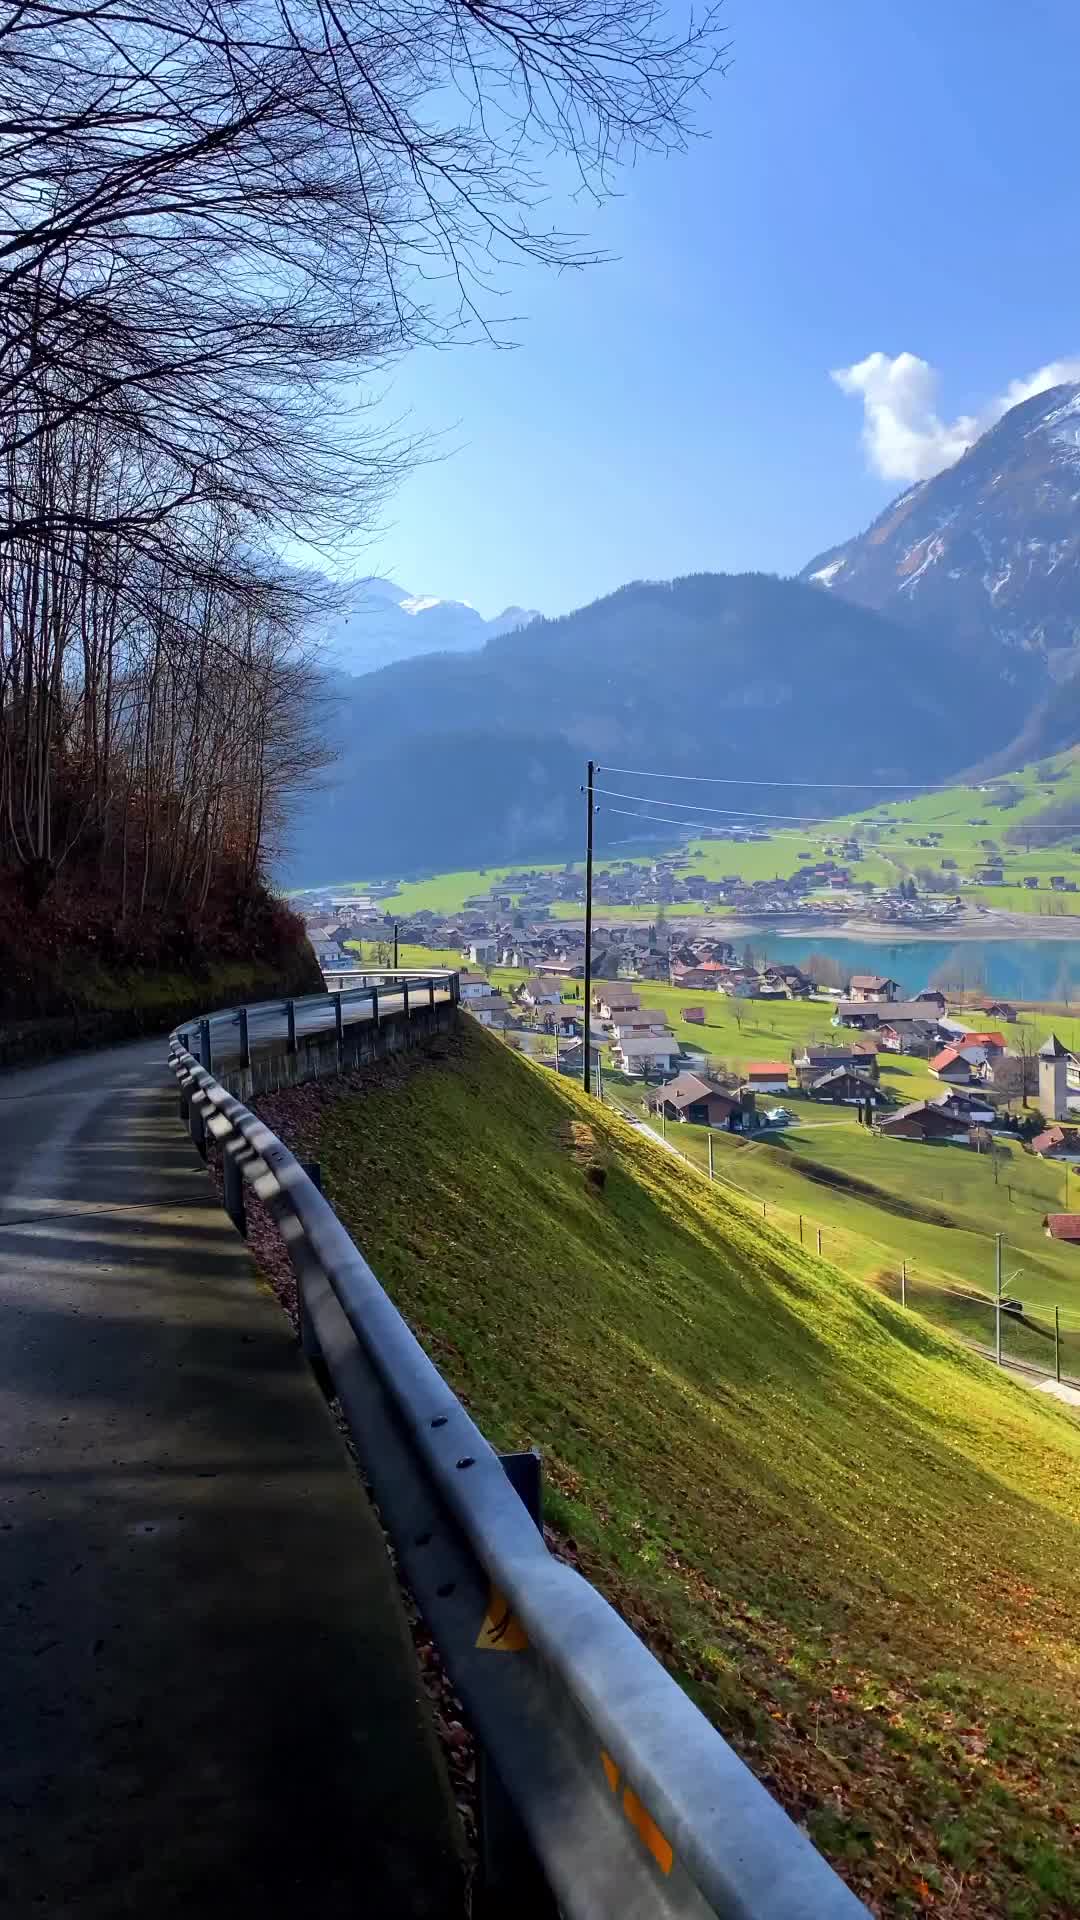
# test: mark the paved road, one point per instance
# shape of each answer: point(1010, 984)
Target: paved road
point(269, 1023)
point(210, 1703)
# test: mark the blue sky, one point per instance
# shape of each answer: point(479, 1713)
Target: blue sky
point(879, 177)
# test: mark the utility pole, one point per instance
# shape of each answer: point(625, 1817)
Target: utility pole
point(589, 809)
point(997, 1297)
point(395, 945)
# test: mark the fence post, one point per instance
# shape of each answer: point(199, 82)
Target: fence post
point(232, 1181)
point(711, 1174)
point(800, 1230)
point(819, 1240)
point(903, 1283)
point(764, 1211)
point(245, 1044)
point(1057, 1343)
point(290, 1026)
point(339, 1025)
point(205, 1050)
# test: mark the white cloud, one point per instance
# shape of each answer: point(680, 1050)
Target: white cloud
point(904, 435)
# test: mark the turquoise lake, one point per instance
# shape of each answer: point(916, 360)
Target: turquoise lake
point(1009, 969)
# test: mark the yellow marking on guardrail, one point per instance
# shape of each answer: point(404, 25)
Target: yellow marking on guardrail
point(639, 1817)
point(501, 1631)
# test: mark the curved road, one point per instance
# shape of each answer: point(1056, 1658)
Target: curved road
point(211, 1705)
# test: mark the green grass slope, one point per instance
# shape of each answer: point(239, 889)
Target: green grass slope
point(852, 1541)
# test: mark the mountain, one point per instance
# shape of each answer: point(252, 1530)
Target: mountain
point(382, 622)
point(988, 551)
point(465, 759)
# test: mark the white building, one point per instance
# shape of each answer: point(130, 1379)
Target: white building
point(644, 1053)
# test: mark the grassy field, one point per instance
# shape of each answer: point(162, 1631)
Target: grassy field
point(853, 1542)
point(886, 834)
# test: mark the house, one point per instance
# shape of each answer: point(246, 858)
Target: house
point(483, 953)
point(638, 1020)
point(1053, 1060)
point(848, 1087)
point(1000, 1010)
point(933, 997)
point(768, 1076)
point(331, 954)
point(490, 1009)
point(541, 992)
point(690, 1097)
point(565, 1019)
point(917, 1037)
point(919, 1120)
point(978, 1048)
point(1062, 1226)
point(869, 1013)
point(872, 986)
point(612, 1000)
point(572, 1058)
point(694, 1016)
point(951, 1065)
point(473, 986)
point(644, 1053)
point(812, 1062)
point(968, 1109)
point(1049, 1145)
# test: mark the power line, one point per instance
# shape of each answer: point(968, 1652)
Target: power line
point(881, 849)
point(743, 813)
point(823, 819)
point(830, 786)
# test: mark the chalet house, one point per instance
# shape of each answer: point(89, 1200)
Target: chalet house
point(933, 996)
point(541, 993)
point(689, 1097)
point(978, 1048)
point(613, 999)
point(1048, 1144)
point(565, 1019)
point(694, 1016)
point(812, 1062)
point(919, 1120)
point(695, 979)
point(768, 1076)
point(473, 986)
point(637, 1020)
point(644, 1053)
point(845, 1086)
point(330, 953)
point(1063, 1226)
point(869, 1013)
point(917, 1037)
point(872, 986)
point(951, 1065)
point(484, 953)
point(967, 1109)
point(491, 1010)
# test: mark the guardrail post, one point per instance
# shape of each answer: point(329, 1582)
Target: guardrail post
point(431, 994)
point(232, 1181)
point(198, 1129)
point(245, 1045)
point(375, 1003)
point(206, 1053)
point(405, 997)
point(290, 1024)
point(309, 1343)
point(339, 1026)
point(455, 988)
point(509, 1875)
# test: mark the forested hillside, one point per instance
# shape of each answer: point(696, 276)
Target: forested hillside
point(725, 674)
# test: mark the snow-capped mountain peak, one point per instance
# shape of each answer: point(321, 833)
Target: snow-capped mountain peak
point(384, 622)
point(987, 551)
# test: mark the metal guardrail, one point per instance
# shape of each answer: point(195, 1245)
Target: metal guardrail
point(236, 1031)
point(604, 1791)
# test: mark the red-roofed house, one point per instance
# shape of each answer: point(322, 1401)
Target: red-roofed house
point(1063, 1226)
point(951, 1065)
point(769, 1076)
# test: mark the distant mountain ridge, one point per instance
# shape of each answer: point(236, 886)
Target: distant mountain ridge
point(988, 552)
point(468, 758)
point(383, 622)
